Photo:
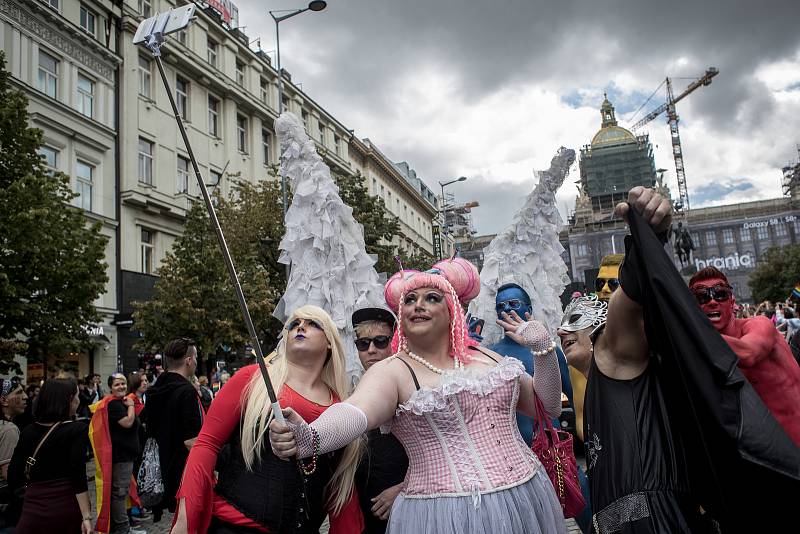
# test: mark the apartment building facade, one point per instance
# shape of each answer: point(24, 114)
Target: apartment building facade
point(108, 123)
point(63, 55)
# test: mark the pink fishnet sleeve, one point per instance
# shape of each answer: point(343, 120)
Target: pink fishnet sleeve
point(546, 373)
point(337, 426)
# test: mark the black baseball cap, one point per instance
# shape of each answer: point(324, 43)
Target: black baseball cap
point(374, 314)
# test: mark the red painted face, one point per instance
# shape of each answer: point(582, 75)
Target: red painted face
point(719, 313)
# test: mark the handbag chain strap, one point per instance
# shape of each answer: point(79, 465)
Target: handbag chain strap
point(31, 461)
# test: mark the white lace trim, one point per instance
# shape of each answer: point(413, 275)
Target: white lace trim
point(470, 379)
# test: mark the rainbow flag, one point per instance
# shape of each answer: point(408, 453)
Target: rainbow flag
point(796, 291)
point(100, 437)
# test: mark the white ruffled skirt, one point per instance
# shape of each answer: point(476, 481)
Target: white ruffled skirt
point(530, 508)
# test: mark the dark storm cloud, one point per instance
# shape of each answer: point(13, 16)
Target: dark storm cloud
point(371, 49)
point(374, 64)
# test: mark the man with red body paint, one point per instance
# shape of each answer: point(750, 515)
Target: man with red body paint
point(765, 358)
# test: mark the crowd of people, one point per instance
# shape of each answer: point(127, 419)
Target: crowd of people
point(438, 434)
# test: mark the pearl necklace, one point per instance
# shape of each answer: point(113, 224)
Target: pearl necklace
point(456, 363)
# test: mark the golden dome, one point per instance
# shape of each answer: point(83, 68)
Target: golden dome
point(611, 135)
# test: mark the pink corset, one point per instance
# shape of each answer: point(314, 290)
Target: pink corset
point(462, 436)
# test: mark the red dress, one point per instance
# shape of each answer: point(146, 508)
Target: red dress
point(197, 486)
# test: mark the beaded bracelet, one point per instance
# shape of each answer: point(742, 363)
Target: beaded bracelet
point(309, 469)
point(545, 350)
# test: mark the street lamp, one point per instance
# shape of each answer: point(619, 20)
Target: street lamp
point(444, 212)
point(314, 5)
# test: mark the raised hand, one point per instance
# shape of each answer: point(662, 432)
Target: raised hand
point(655, 209)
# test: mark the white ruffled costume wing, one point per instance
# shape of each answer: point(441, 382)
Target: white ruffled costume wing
point(528, 253)
point(323, 244)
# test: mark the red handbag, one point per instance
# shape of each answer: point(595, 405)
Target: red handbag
point(554, 449)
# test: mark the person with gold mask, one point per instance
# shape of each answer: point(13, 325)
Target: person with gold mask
point(607, 280)
point(605, 284)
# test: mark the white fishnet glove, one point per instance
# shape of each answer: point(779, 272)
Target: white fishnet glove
point(546, 373)
point(337, 426)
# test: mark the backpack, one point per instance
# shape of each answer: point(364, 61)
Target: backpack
point(149, 482)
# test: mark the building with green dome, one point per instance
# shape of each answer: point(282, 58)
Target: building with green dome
point(614, 162)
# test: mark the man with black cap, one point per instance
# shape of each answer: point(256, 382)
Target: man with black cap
point(383, 467)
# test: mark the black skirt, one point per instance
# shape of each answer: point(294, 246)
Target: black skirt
point(50, 503)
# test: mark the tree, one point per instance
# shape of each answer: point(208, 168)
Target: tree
point(776, 274)
point(51, 259)
point(380, 227)
point(419, 260)
point(194, 295)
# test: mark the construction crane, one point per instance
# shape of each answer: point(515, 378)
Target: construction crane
point(672, 118)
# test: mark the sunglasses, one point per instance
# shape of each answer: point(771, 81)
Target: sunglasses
point(512, 303)
point(720, 293)
point(381, 342)
point(600, 283)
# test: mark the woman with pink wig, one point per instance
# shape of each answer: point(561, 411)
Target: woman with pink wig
point(452, 406)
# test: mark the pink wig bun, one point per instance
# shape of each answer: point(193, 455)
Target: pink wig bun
point(460, 282)
point(460, 273)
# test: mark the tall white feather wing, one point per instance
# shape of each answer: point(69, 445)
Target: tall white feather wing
point(528, 253)
point(323, 243)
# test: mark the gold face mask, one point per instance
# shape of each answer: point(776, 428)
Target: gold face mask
point(607, 280)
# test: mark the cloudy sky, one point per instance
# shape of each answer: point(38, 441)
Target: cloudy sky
point(489, 89)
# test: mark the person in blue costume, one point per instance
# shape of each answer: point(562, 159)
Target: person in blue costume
point(512, 297)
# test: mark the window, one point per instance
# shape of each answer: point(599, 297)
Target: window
point(52, 3)
point(780, 229)
point(144, 76)
point(145, 161)
point(85, 95)
point(266, 139)
point(183, 37)
point(374, 185)
point(583, 250)
point(241, 133)
point(145, 8)
point(87, 20)
point(727, 235)
point(84, 173)
point(182, 97)
point(285, 104)
point(48, 74)
point(264, 91)
point(382, 191)
point(762, 232)
point(240, 73)
point(50, 156)
point(336, 144)
point(213, 116)
point(797, 228)
point(183, 175)
point(745, 235)
point(696, 239)
point(321, 127)
point(216, 178)
point(211, 53)
point(147, 242)
point(711, 238)
point(304, 114)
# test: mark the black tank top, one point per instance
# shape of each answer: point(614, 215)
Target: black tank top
point(275, 493)
point(633, 459)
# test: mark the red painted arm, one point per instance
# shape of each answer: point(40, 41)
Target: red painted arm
point(197, 486)
point(756, 343)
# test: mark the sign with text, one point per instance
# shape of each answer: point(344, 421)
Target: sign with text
point(226, 8)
